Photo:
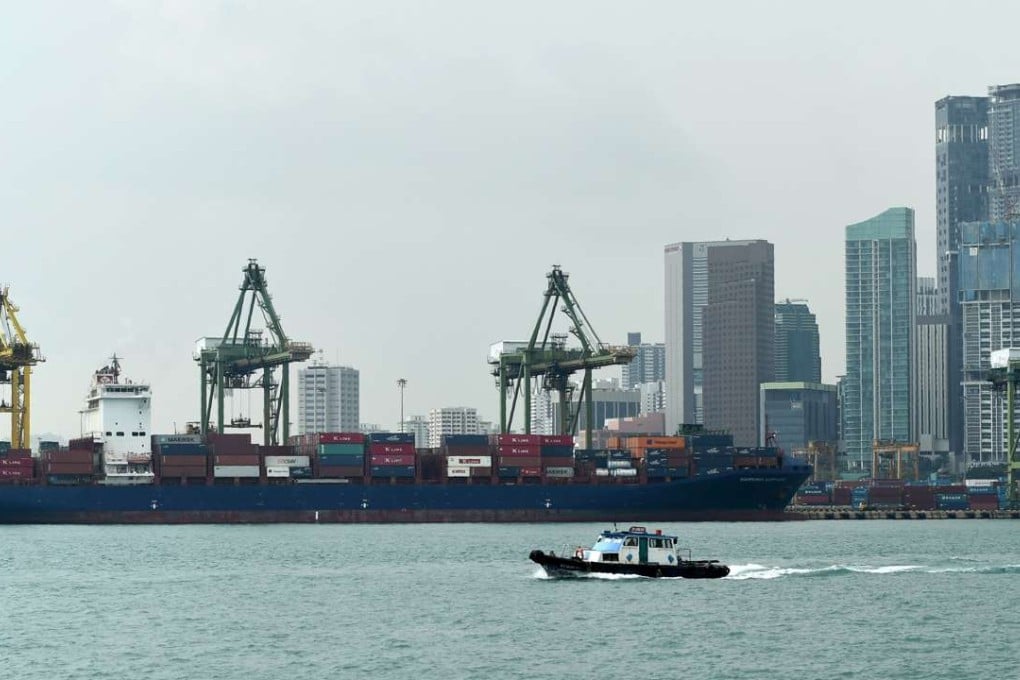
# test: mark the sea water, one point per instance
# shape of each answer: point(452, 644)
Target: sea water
point(817, 599)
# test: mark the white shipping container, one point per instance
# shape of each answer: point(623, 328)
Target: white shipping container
point(981, 482)
point(277, 471)
point(235, 471)
point(287, 461)
point(601, 472)
point(623, 472)
point(458, 472)
point(619, 463)
point(468, 461)
point(559, 472)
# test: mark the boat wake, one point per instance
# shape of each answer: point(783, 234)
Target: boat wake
point(741, 572)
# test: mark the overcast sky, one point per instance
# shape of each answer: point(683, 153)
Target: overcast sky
point(408, 172)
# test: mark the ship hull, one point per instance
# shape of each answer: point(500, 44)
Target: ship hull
point(734, 496)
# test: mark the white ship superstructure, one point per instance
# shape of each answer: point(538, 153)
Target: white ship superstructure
point(118, 415)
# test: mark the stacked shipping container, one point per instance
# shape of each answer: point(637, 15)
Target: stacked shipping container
point(392, 456)
point(466, 457)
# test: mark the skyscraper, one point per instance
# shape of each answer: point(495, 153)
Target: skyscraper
point(738, 327)
point(1003, 153)
point(328, 399)
point(990, 310)
point(648, 366)
point(686, 269)
point(797, 354)
point(881, 278)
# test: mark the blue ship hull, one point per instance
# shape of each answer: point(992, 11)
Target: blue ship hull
point(738, 495)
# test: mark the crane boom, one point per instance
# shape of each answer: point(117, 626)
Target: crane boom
point(17, 357)
point(546, 356)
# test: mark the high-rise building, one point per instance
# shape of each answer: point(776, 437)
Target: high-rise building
point(738, 330)
point(990, 311)
point(881, 260)
point(328, 398)
point(686, 281)
point(1003, 152)
point(797, 354)
point(797, 413)
point(931, 406)
point(451, 420)
point(961, 181)
point(419, 425)
point(608, 401)
point(927, 297)
point(648, 365)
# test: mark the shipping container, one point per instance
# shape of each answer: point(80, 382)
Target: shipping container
point(159, 440)
point(622, 472)
point(509, 471)
point(62, 468)
point(452, 440)
point(175, 471)
point(469, 461)
point(519, 440)
point(521, 461)
point(277, 471)
point(531, 471)
point(562, 461)
point(341, 449)
point(458, 471)
point(392, 459)
point(341, 471)
point(391, 437)
point(557, 440)
point(236, 471)
point(287, 461)
point(78, 456)
point(237, 459)
point(391, 449)
point(556, 451)
point(559, 472)
point(341, 438)
point(519, 451)
point(618, 464)
point(342, 460)
point(183, 449)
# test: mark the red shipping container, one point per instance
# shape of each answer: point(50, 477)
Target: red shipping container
point(17, 473)
point(557, 440)
point(234, 460)
point(74, 456)
point(53, 468)
point(392, 459)
point(391, 449)
point(521, 461)
point(190, 461)
point(467, 451)
point(519, 439)
point(341, 438)
point(509, 451)
point(531, 472)
point(481, 472)
point(557, 461)
point(174, 471)
point(341, 471)
point(18, 462)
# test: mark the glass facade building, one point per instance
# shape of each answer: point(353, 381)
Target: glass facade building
point(797, 353)
point(881, 278)
point(990, 309)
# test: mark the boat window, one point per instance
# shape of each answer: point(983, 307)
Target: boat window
point(610, 557)
point(669, 543)
point(655, 543)
point(629, 542)
point(120, 434)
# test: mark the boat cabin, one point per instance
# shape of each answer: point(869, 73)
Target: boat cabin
point(633, 546)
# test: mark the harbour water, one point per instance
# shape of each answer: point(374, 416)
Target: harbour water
point(877, 599)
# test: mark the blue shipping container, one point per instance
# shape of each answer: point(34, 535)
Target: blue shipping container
point(391, 437)
point(392, 470)
point(466, 440)
point(184, 449)
point(342, 459)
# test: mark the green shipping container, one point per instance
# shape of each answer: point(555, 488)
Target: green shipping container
point(341, 449)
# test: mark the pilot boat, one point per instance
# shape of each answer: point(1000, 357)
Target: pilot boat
point(632, 552)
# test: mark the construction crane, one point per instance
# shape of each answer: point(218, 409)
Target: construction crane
point(545, 356)
point(1005, 375)
point(17, 357)
point(246, 357)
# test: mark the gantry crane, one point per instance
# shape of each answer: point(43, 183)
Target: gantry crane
point(1005, 375)
point(17, 357)
point(547, 357)
point(246, 357)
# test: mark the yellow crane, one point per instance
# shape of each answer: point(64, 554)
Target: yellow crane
point(17, 357)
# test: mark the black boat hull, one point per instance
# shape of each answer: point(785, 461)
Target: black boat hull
point(575, 566)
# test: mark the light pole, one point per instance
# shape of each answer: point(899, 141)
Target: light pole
point(401, 383)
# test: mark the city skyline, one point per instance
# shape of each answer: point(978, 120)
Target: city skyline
point(390, 175)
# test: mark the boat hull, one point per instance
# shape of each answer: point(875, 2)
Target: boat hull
point(736, 496)
point(574, 566)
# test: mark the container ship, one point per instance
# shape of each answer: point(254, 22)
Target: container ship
point(120, 472)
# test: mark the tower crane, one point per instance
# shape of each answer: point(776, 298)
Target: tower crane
point(17, 357)
point(545, 356)
point(246, 357)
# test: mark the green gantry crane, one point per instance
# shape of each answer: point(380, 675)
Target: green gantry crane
point(247, 358)
point(1005, 375)
point(546, 357)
